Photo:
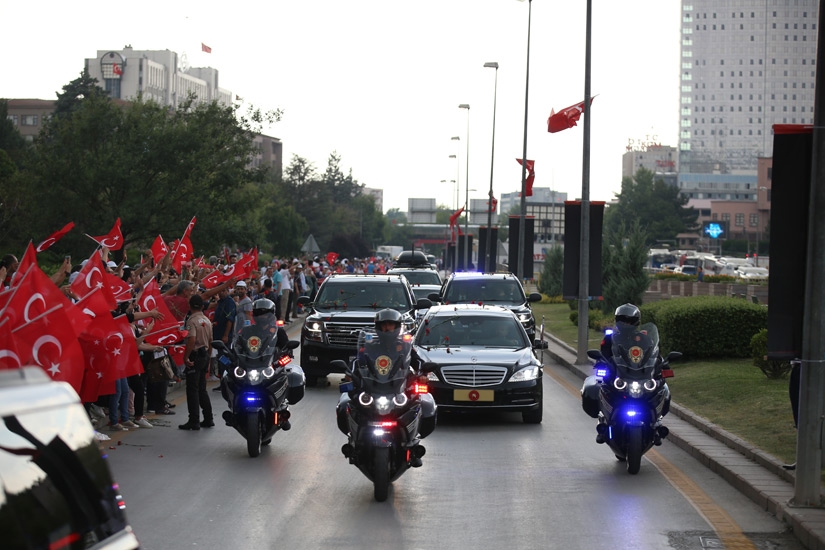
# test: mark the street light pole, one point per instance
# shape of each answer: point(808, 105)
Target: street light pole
point(467, 254)
point(488, 252)
point(523, 210)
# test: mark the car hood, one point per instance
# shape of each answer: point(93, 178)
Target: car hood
point(478, 355)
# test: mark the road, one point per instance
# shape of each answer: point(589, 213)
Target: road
point(487, 482)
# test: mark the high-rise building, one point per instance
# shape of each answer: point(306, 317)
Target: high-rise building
point(745, 66)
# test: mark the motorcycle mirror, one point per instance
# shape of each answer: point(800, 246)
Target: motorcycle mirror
point(219, 345)
point(540, 344)
point(595, 354)
point(338, 365)
point(428, 366)
point(673, 355)
point(292, 344)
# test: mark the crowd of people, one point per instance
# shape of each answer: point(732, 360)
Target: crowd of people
point(221, 308)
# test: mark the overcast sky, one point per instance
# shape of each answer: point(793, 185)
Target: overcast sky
point(380, 81)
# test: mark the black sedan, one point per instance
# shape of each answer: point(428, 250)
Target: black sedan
point(479, 358)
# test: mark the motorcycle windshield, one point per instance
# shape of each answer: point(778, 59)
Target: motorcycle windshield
point(255, 343)
point(383, 365)
point(635, 350)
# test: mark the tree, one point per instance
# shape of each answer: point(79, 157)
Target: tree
point(624, 255)
point(552, 275)
point(654, 205)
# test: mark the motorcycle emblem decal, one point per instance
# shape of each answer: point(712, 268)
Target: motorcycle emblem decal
point(253, 343)
point(635, 354)
point(383, 364)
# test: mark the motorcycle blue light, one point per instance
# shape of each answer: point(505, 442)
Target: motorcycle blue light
point(631, 413)
point(601, 372)
point(608, 331)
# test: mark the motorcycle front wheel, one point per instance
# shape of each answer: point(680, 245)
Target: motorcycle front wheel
point(633, 436)
point(381, 473)
point(253, 435)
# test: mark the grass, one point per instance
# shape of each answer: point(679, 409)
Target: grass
point(732, 393)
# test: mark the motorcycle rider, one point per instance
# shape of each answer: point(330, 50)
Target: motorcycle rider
point(264, 312)
point(388, 328)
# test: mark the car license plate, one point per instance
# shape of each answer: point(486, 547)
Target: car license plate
point(473, 395)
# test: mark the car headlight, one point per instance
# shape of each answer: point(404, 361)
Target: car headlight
point(313, 330)
point(432, 377)
point(525, 317)
point(527, 373)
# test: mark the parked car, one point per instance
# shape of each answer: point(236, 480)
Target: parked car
point(501, 289)
point(58, 491)
point(687, 269)
point(480, 359)
point(747, 274)
point(344, 305)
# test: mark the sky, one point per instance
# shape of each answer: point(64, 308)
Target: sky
point(379, 82)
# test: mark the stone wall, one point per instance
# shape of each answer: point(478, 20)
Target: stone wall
point(662, 289)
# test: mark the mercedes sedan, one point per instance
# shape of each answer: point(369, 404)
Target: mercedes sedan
point(479, 358)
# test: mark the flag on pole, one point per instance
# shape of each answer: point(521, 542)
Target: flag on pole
point(112, 240)
point(205, 48)
point(54, 237)
point(531, 176)
point(455, 215)
point(566, 118)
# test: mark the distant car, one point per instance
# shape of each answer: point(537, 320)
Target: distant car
point(480, 359)
point(687, 269)
point(668, 267)
point(57, 488)
point(500, 289)
point(748, 274)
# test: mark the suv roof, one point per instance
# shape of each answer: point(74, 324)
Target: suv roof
point(398, 296)
point(412, 258)
point(482, 287)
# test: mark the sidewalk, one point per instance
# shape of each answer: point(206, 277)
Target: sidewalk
point(752, 472)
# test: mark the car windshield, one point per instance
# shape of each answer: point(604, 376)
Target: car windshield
point(494, 331)
point(497, 291)
point(422, 277)
point(421, 292)
point(371, 295)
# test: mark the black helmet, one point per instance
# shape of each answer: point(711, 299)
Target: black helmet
point(387, 315)
point(628, 313)
point(263, 306)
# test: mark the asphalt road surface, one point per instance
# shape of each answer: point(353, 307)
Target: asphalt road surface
point(488, 482)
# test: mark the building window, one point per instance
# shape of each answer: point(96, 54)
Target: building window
point(28, 120)
point(725, 217)
point(13, 119)
point(740, 220)
point(753, 220)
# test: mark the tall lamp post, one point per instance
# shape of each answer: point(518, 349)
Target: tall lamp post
point(523, 209)
point(467, 255)
point(457, 200)
point(488, 254)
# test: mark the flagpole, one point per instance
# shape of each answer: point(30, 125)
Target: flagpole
point(523, 211)
point(584, 245)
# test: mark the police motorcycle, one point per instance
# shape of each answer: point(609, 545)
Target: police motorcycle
point(386, 409)
point(628, 393)
point(259, 380)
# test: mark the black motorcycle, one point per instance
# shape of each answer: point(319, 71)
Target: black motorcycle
point(259, 382)
point(385, 411)
point(628, 393)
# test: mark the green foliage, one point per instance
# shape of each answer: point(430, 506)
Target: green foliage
point(550, 280)
point(658, 208)
point(624, 255)
point(545, 299)
point(706, 326)
point(759, 349)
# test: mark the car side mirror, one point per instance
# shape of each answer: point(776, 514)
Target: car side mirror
point(540, 344)
point(534, 297)
point(423, 303)
point(303, 300)
point(434, 297)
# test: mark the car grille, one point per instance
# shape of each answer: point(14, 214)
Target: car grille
point(344, 334)
point(474, 376)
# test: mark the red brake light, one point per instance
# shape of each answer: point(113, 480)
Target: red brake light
point(388, 424)
point(420, 388)
point(280, 322)
point(667, 373)
point(285, 360)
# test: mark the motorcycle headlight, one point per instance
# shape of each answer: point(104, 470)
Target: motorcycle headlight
point(383, 405)
point(527, 373)
point(400, 400)
point(269, 372)
point(635, 389)
point(239, 372)
point(650, 385)
point(254, 375)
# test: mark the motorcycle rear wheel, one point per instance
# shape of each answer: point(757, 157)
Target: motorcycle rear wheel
point(634, 449)
point(381, 473)
point(253, 435)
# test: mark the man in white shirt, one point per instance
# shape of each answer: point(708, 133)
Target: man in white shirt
point(285, 290)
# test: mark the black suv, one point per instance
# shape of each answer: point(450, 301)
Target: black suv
point(345, 305)
point(500, 289)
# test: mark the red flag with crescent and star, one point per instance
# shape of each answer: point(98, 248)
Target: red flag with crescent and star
point(49, 341)
point(531, 176)
point(167, 336)
point(9, 356)
point(54, 237)
point(113, 240)
point(566, 118)
point(90, 277)
point(150, 299)
point(159, 249)
point(28, 260)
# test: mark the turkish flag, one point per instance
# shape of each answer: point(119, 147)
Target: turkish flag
point(177, 352)
point(150, 299)
point(159, 249)
point(182, 253)
point(90, 277)
point(331, 257)
point(9, 357)
point(254, 254)
point(531, 176)
point(166, 336)
point(205, 48)
point(28, 260)
point(494, 204)
point(121, 347)
point(455, 215)
point(116, 69)
point(50, 342)
point(88, 308)
point(218, 277)
point(121, 290)
point(107, 349)
point(113, 240)
point(566, 118)
point(32, 297)
point(54, 237)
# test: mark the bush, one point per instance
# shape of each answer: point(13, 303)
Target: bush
point(706, 326)
point(759, 349)
point(550, 279)
point(545, 299)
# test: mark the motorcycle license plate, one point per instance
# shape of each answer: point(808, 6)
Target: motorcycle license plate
point(473, 395)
